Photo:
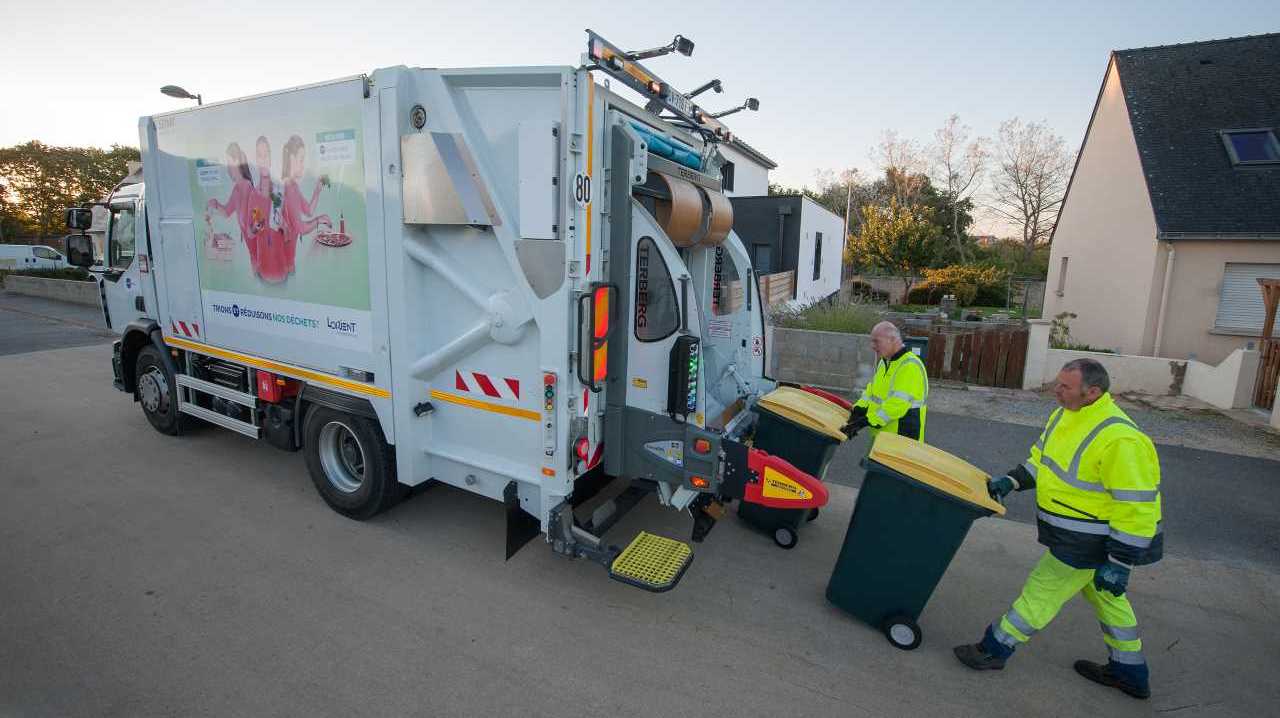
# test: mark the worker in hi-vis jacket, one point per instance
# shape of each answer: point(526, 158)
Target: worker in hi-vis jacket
point(1097, 483)
point(895, 399)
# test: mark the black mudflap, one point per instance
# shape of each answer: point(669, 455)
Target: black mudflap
point(521, 527)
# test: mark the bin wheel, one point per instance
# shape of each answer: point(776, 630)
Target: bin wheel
point(785, 537)
point(902, 632)
point(813, 514)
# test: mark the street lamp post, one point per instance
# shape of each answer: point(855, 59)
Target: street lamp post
point(181, 94)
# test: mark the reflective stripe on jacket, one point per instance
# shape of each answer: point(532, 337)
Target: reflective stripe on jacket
point(895, 398)
point(1097, 481)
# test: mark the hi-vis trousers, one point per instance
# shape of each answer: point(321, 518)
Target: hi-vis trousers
point(1051, 584)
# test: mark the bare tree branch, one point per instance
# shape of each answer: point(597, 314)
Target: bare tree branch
point(1029, 179)
point(955, 167)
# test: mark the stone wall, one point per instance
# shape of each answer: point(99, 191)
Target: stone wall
point(63, 290)
point(832, 360)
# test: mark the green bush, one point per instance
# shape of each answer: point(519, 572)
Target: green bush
point(991, 295)
point(849, 318)
point(72, 273)
point(865, 292)
point(925, 294)
point(971, 285)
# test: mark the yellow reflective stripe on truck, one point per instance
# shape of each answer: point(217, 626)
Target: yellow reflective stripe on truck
point(485, 406)
point(286, 369)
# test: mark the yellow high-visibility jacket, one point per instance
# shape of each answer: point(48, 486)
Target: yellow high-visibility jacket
point(895, 398)
point(1097, 482)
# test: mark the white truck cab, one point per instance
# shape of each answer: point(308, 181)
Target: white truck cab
point(510, 280)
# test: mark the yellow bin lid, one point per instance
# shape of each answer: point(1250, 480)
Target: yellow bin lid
point(808, 410)
point(936, 468)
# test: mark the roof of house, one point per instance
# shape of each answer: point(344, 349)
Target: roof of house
point(756, 155)
point(1180, 98)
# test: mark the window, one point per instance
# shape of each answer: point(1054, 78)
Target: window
point(1062, 277)
point(1251, 147)
point(727, 286)
point(45, 253)
point(817, 255)
point(1240, 307)
point(657, 312)
point(726, 176)
point(121, 245)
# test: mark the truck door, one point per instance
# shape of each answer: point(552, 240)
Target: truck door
point(733, 338)
point(122, 276)
point(663, 310)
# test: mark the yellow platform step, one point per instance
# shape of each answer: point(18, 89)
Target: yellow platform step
point(651, 562)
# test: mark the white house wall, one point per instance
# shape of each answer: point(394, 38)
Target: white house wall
point(750, 179)
point(815, 218)
point(1107, 231)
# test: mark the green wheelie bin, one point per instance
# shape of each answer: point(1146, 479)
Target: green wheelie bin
point(913, 511)
point(804, 429)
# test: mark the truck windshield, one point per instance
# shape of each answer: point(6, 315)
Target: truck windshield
point(45, 253)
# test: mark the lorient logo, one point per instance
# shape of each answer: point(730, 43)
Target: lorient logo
point(341, 326)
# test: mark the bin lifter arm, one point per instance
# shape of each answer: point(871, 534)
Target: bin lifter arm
point(757, 477)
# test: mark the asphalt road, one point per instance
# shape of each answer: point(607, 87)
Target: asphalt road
point(1216, 506)
point(147, 575)
point(31, 324)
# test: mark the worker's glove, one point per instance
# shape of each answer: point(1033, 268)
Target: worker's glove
point(1001, 487)
point(1112, 577)
point(856, 423)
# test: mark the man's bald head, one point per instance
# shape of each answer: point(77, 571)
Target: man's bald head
point(886, 340)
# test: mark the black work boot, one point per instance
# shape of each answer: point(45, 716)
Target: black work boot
point(1130, 679)
point(972, 655)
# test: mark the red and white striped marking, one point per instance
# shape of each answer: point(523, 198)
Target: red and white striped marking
point(494, 387)
point(188, 329)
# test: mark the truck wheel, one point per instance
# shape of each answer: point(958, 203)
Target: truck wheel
point(350, 463)
point(157, 392)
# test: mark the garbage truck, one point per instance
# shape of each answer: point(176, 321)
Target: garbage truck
point(510, 280)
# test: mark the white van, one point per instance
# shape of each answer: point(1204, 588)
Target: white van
point(17, 257)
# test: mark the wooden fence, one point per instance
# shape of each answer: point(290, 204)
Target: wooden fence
point(1264, 392)
point(778, 288)
point(988, 357)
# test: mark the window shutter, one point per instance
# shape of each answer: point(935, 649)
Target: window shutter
point(1240, 306)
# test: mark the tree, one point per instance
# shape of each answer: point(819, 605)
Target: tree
point(956, 164)
point(41, 180)
point(903, 166)
point(896, 237)
point(1030, 180)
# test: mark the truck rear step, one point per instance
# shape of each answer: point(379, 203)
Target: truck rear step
point(654, 563)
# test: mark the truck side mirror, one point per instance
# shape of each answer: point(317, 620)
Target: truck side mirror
point(80, 249)
point(80, 218)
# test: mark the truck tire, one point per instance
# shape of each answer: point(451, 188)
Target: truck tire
point(157, 392)
point(350, 463)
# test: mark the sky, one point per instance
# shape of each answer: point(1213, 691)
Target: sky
point(830, 76)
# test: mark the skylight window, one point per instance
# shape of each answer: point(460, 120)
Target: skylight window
point(1252, 147)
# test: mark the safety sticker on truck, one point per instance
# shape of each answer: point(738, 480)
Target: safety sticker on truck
point(494, 387)
point(672, 451)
